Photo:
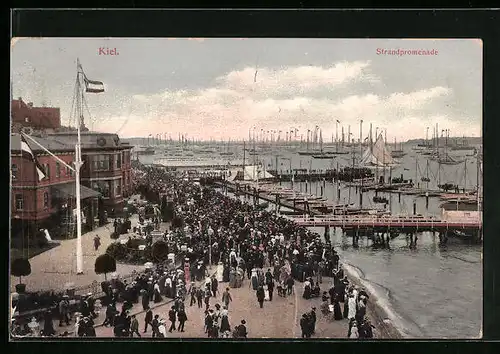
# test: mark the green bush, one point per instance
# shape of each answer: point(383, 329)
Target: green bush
point(134, 243)
point(105, 264)
point(117, 251)
point(159, 251)
point(20, 267)
point(177, 222)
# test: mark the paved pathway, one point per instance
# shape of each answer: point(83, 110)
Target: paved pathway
point(108, 332)
point(54, 268)
point(278, 319)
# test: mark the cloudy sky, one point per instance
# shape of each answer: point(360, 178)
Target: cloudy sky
point(208, 88)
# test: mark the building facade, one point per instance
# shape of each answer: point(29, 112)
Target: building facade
point(106, 166)
point(105, 181)
point(39, 118)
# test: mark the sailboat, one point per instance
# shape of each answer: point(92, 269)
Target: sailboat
point(464, 146)
point(377, 155)
point(397, 153)
point(227, 152)
point(308, 152)
point(322, 155)
point(445, 158)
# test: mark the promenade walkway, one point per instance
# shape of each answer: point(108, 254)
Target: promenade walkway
point(52, 269)
point(277, 319)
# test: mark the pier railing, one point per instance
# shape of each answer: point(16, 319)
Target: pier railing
point(387, 221)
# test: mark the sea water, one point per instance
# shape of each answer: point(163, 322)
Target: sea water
point(432, 291)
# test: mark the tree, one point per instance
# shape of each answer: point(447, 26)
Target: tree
point(159, 251)
point(20, 267)
point(105, 264)
point(177, 222)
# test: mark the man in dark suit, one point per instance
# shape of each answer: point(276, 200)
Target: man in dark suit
point(172, 317)
point(270, 288)
point(148, 319)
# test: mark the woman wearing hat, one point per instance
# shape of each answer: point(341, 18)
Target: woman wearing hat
point(241, 330)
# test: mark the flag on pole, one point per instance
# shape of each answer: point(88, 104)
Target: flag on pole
point(28, 153)
point(93, 86)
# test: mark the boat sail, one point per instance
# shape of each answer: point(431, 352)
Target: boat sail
point(377, 155)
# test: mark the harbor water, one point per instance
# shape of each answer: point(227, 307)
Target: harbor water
point(431, 291)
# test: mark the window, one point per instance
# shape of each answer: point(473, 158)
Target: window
point(45, 200)
point(14, 171)
point(103, 187)
point(101, 163)
point(118, 187)
point(19, 202)
point(119, 160)
point(69, 171)
point(58, 169)
point(111, 162)
point(46, 167)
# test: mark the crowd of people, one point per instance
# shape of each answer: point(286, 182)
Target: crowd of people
point(245, 239)
point(217, 228)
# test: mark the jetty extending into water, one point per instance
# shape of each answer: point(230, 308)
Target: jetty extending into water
point(311, 211)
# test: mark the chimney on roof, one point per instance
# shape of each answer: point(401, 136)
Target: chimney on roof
point(30, 104)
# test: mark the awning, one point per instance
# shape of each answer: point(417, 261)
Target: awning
point(69, 189)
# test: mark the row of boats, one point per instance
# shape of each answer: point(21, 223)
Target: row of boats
point(320, 204)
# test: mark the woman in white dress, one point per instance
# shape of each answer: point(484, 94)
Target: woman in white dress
point(351, 304)
point(354, 332)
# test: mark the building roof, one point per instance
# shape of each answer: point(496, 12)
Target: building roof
point(66, 142)
point(50, 144)
point(91, 140)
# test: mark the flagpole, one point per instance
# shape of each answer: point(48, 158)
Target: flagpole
point(78, 164)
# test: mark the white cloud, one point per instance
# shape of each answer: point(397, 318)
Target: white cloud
point(294, 80)
point(280, 99)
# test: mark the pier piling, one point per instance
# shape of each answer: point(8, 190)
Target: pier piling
point(399, 197)
point(414, 208)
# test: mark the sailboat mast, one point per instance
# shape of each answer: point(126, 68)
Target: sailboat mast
point(437, 139)
point(427, 174)
point(337, 136)
point(439, 172)
point(416, 169)
point(321, 141)
point(360, 139)
point(465, 175)
point(254, 167)
point(371, 138)
point(244, 155)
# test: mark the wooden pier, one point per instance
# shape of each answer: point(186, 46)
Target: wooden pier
point(275, 197)
point(384, 223)
point(382, 229)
